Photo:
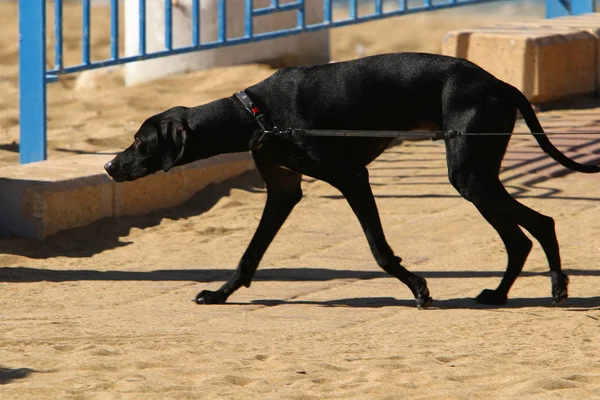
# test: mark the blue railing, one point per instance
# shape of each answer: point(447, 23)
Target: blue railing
point(32, 29)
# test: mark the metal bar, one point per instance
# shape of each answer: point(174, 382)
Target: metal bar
point(196, 22)
point(222, 16)
point(378, 6)
point(427, 3)
point(300, 17)
point(142, 26)
point(327, 11)
point(58, 35)
point(558, 8)
point(32, 86)
point(248, 17)
point(280, 8)
point(352, 9)
point(168, 25)
point(579, 7)
point(114, 29)
point(85, 57)
point(403, 5)
point(51, 74)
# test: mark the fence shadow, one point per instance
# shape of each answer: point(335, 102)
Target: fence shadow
point(12, 147)
point(518, 173)
point(25, 274)
point(307, 274)
point(8, 375)
point(580, 102)
point(64, 150)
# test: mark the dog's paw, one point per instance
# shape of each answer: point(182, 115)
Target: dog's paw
point(423, 302)
point(421, 292)
point(491, 297)
point(560, 285)
point(209, 297)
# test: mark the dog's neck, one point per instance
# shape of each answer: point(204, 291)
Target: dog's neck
point(222, 126)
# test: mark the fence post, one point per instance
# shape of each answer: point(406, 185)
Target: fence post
point(582, 7)
point(560, 8)
point(32, 80)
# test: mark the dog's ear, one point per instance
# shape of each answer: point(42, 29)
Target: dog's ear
point(173, 135)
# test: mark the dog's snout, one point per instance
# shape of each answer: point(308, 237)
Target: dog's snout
point(109, 166)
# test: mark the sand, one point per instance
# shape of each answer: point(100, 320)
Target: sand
point(106, 311)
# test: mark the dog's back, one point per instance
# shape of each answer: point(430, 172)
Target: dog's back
point(389, 91)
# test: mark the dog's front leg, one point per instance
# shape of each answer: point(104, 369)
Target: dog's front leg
point(283, 193)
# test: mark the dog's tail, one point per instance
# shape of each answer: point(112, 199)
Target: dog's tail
point(535, 127)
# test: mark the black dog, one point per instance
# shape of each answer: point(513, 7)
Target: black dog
point(406, 91)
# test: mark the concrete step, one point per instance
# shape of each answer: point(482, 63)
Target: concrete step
point(40, 199)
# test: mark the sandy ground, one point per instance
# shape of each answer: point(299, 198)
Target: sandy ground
point(106, 311)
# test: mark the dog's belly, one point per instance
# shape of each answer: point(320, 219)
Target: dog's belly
point(314, 156)
point(425, 126)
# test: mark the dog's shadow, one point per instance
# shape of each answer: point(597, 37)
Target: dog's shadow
point(573, 303)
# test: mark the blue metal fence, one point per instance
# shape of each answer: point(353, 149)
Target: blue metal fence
point(32, 29)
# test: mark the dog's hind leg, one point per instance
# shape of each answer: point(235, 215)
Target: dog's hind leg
point(543, 230)
point(497, 207)
point(473, 165)
point(283, 193)
point(473, 169)
point(357, 191)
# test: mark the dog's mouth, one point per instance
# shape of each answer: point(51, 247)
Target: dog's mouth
point(118, 178)
point(128, 177)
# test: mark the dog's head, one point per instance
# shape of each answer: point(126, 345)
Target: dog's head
point(158, 144)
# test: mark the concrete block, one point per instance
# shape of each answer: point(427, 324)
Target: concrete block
point(40, 199)
point(303, 49)
point(544, 63)
point(586, 22)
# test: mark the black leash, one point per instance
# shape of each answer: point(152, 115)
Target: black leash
point(434, 135)
point(269, 129)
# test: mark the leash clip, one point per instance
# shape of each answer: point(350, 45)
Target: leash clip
point(445, 135)
point(451, 134)
point(266, 134)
